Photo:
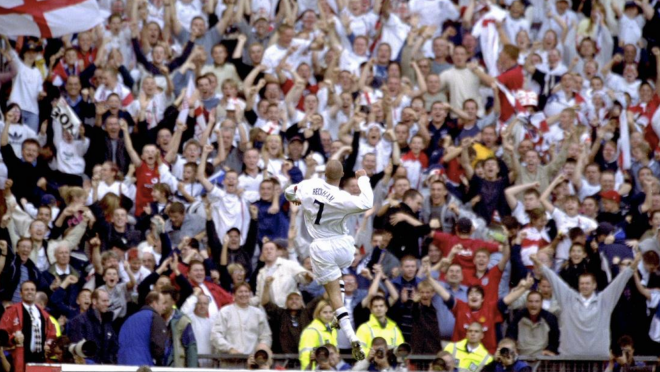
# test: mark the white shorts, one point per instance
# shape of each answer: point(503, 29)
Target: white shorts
point(330, 256)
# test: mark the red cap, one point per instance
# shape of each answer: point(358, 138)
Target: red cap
point(133, 254)
point(611, 195)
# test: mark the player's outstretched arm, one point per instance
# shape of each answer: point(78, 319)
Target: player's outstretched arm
point(291, 194)
point(365, 200)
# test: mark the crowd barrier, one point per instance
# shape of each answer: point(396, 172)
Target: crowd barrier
point(238, 363)
point(422, 362)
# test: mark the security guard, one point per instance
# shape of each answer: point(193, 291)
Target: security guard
point(470, 354)
point(379, 325)
point(318, 333)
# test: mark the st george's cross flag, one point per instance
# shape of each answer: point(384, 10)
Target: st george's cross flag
point(48, 18)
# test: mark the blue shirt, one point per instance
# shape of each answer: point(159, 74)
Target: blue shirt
point(446, 318)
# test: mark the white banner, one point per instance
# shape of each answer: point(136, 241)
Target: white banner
point(66, 117)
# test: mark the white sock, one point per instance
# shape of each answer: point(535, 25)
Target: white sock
point(343, 291)
point(345, 323)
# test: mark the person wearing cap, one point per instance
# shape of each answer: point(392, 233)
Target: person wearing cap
point(27, 87)
point(296, 147)
point(287, 323)
point(611, 211)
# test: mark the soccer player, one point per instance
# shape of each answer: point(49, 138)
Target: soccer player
point(325, 208)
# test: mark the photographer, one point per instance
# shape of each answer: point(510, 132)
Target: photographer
point(59, 352)
point(261, 359)
point(622, 356)
point(377, 360)
point(506, 359)
point(443, 362)
point(322, 359)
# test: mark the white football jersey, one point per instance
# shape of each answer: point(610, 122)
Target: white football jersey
point(325, 206)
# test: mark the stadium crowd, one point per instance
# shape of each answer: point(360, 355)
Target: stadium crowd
point(513, 149)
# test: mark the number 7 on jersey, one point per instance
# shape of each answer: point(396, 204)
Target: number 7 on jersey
point(320, 212)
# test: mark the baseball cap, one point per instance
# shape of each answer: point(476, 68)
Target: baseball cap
point(296, 138)
point(611, 195)
point(604, 228)
point(48, 200)
point(32, 46)
point(295, 292)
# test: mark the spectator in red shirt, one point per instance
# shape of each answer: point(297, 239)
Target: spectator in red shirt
point(146, 169)
point(464, 257)
point(487, 278)
point(477, 309)
point(511, 77)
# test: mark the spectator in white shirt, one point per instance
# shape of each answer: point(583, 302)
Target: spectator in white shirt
point(197, 309)
point(18, 132)
point(286, 273)
point(241, 328)
point(27, 88)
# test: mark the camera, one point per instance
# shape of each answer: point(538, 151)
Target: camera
point(402, 351)
point(321, 354)
point(505, 352)
point(261, 357)
point(439, 364)
point(380, 353)
point(83, 349)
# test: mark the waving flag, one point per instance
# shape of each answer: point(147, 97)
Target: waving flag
point(48, 18)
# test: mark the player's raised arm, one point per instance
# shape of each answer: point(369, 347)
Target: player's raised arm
point(365, 200)
point(291, 194)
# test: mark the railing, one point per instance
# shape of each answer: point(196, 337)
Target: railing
point(422, 362)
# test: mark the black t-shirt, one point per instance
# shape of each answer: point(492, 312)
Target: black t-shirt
point(492, 197)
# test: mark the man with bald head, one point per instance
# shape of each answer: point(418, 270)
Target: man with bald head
point(325, 208)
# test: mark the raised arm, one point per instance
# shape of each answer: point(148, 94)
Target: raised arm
point(135, 158)
point(511, 192)
point(522, 287)
point(201, 175)
point(545, 197)
point(170, 157)
point(506, 254)
point(640, 287)
point(466, 143)
point(440, 290)
point(579, 168)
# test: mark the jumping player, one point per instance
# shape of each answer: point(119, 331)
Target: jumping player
point(325, 208)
